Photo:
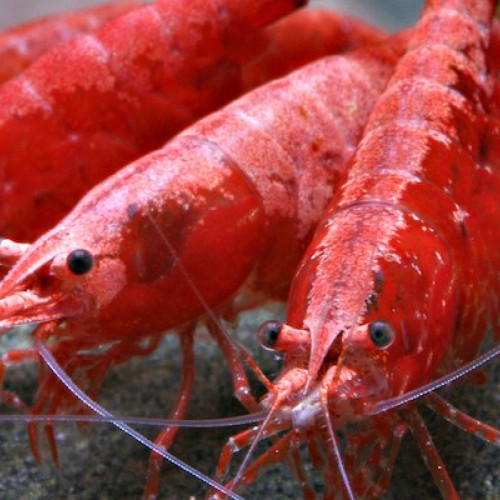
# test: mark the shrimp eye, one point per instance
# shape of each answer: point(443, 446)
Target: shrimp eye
point(268, 333)
point(80, 261)
point(381, 333)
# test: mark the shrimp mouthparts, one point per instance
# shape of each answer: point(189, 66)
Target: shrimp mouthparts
point(29, 307)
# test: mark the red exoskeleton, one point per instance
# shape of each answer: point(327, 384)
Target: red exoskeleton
point(296, 359)
point(104, 271)
point(400, 283)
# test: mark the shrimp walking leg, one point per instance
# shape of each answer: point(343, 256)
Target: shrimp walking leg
point(430, 454)
point(167, 435)
point(9, 398)
point(240, 381)
point(462, 420)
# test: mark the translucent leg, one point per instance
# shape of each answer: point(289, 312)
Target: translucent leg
point(92, 368)
point(281, 450)
point(298, 468)
point(240, 441)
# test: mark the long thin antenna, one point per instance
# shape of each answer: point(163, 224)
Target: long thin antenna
point(335, 444)
point(185, 273)
point(97, 408)
point(389, 404)
point(208, 310)
point(145, 421)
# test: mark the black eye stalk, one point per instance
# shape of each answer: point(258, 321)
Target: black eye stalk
point(381, 333)
point(268, 333)
point(80, 261)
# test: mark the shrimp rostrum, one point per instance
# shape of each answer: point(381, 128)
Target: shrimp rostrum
point(401, 278)
point(193, 225)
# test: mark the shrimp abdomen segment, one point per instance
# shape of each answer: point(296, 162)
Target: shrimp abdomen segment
point(22, 45)
point(97, 102)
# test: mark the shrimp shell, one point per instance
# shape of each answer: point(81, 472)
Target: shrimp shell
point(95, 103)
point(349, 134)
point(404, 250)
point(22, 45)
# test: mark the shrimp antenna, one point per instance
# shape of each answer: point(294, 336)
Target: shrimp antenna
point(389, 404)
point(184, 272)
point(146, 421)
point(251, 449)
point(97, 408)
point(333, 438)
point(258, 436)
point(210, 313)
point(338, 459)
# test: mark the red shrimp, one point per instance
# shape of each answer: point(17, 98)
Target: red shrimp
point(22, 45)
point(303, 37)
point(400, 281)
point(95, 103)
point(332, 37)
point(132, 100)
point(207, 206)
